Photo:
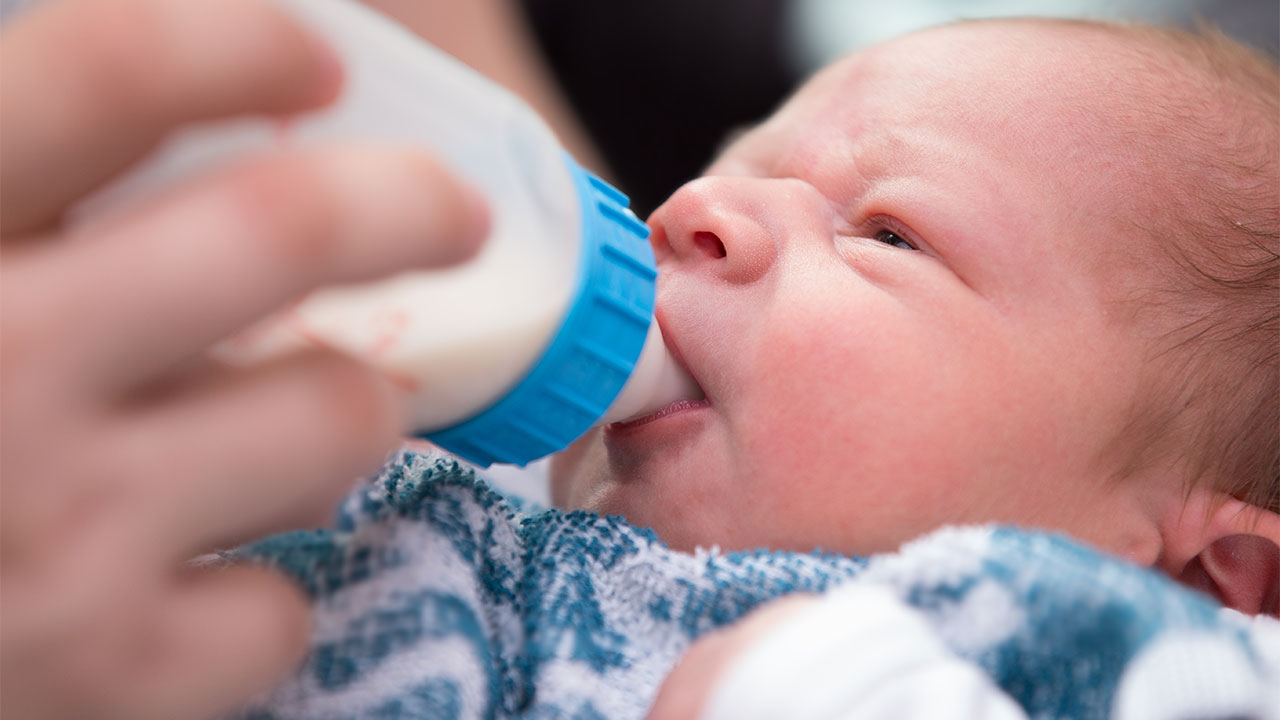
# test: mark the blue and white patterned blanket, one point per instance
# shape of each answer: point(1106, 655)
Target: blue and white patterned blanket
point(437, 597)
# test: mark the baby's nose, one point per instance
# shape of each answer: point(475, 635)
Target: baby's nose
point(728, 225)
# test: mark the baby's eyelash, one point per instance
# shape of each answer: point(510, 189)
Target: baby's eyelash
point(889, 231)
point(891, 238)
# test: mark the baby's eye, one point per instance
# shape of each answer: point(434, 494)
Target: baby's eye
point(889, 237)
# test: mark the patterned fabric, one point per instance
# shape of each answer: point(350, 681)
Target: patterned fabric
point(437, 597)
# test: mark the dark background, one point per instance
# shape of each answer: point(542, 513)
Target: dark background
point(660, 83)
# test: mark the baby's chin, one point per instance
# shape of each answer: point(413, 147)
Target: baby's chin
point(674, 523)
point(682, 518)
point(713, 512)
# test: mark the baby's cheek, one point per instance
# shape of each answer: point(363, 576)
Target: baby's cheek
point(815, 374)
point(792, 396)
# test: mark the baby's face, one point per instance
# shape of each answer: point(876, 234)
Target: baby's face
point(896, 294)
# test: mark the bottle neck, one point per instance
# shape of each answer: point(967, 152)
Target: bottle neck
point(593, 354)
point(657, 381)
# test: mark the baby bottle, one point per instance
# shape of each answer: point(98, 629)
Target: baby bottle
point(514, 354)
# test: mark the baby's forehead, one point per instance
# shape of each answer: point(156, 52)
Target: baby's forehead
point(1037, 90)
point(1016, 86)
point(1026, 118)
point(1075, 61)
point(1042, 58)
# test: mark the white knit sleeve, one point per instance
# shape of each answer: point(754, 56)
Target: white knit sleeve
point(860, 652)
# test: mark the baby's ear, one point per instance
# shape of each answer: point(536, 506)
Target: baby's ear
point(1226, 548)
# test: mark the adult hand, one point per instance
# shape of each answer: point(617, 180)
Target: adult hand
point(125, 450)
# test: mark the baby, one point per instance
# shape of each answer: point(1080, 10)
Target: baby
point(1010, 272)
point(1016, 272)
point(1022, 272)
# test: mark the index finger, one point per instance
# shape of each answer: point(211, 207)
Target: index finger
point(90, 86)
point(157, 285)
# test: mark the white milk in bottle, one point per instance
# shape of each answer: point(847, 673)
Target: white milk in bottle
point(505, 358)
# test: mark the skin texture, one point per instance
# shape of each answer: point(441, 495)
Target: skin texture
point(862, 390)
point(860, 393)
point(105, 328)
point(126, 452)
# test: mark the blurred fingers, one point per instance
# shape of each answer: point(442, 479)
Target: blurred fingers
point(190, 268)
point(91, 86)
point(264, 449)
point(225, 635)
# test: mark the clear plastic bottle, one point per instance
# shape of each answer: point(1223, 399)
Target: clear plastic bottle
point(508, 357)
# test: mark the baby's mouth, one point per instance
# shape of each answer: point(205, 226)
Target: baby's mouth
point(675, 407)
point(673, 389)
